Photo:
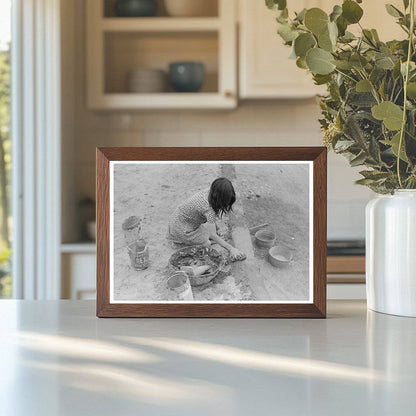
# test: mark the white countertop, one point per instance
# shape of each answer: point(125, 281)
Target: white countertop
point(58, 359)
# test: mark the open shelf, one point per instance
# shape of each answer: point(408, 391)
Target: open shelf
point(160, 24)
point(116, 46)
point(130, 101)
point(80, 247)
point(127, 51)
point(211, 9)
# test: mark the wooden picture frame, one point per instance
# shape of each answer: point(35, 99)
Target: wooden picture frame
point(315, 308)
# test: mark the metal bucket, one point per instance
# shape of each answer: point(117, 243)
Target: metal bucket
point(131, 229)
point(139, 255)
point(179, 287)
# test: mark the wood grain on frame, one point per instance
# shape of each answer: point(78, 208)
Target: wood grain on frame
point(317, 309)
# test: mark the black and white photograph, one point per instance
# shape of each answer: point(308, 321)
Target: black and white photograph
point(211, 232)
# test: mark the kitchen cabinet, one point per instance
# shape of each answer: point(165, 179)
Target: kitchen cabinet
point(116, 46)
point(78, 263)
point(265, 70)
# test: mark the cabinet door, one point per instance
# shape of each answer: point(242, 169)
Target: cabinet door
point(78, 276)
point(265, 68)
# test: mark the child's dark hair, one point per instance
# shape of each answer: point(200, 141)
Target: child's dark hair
point(221, 196)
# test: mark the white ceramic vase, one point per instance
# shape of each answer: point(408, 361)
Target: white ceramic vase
point(391, 253)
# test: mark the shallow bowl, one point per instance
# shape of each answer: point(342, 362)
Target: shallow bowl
point(265, 238)
point(280, 256)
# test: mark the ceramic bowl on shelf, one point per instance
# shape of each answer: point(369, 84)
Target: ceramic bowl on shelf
point(135, 8)
point(147, 80)
point(191, 8)
point(186, 76)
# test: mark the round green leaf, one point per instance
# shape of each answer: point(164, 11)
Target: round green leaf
point(411, 90)
point(301, 63)
point(393, 11)
point(347, 37)
point(303, 43)
point(286, 32)
point(324, 42)
point(336, 12)
point(316, 20)
point(342, 25)
point(403, 65)
point(300, 16)
point(385, 63)
point(358, 61)
point(391, 114)
point(333, 32)
point(351, 11)
point(375, 35)
point(327, 40)
point(321, 79)
point(363, 86)
point(319, 61)
point(276, 4)
point(342, 64)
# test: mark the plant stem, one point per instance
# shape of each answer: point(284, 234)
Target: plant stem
point(373, 90)
point(405, 81)
point(392, 90)
point(397, 95)
point(345, 75)
point(369, 41)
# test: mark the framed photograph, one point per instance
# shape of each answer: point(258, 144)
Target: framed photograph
point(211, 232)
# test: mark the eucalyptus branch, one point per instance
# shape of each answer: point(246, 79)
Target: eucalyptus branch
point(369, 41)
point(373, 89)
point(379, 121)
point(392, 90)
point(405, 81)
point(345, 75)
point(403, 28)
point(398, 95)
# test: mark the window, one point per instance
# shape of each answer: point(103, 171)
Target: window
point(5, 144)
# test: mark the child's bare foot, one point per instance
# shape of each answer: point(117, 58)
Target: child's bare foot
point(236, 255)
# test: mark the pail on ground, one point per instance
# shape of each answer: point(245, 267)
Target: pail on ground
point(139, 255)
point(179, 287)
point(131, 229)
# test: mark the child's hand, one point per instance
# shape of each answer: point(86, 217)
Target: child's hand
point(236, 254)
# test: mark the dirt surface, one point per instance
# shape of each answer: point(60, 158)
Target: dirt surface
point(153, 191)
point(283, 203)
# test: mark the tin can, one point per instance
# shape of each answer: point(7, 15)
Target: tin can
point(131, 228)
point(139, 255)
point(179, 287)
